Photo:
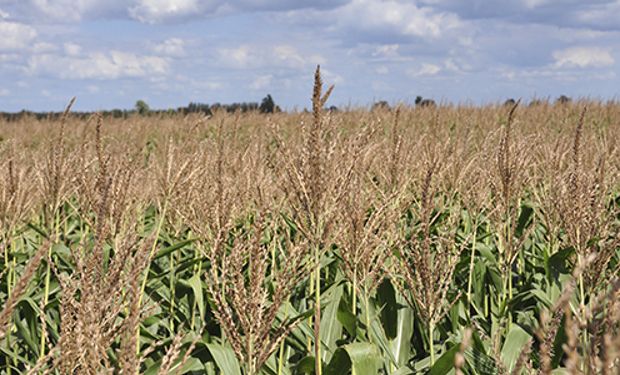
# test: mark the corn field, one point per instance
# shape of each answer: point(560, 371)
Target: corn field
point(433, 240)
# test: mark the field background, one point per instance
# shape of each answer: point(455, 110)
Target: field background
point(478, 240)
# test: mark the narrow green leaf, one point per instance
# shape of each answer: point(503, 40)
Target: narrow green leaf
point(401, 344)
point(445, 363)
point(165, 251)
point(331, 328)
point(515, 341)
point(196, 283)
point(365, 358)
point(225, 359)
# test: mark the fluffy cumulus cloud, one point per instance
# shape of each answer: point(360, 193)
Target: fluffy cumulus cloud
point(152, 11)
point(16, 35)
point(595, 14)
point(387, 51)
point(429, 70)
point(174, 47)
point(256, 56)
point(65, 10)
point(583, 57)
point(236, 50)
point(262, 82)
point(155, 11)
point(397, 16)
point(72, 49)
point(98, 65)
point(159, 10)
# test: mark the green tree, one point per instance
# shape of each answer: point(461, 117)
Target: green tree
point(142, 108)
point(267, 105)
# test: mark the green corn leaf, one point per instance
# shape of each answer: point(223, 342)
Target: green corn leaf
point(196, 283)
point(365, 358)
point(225, 359)
point(361, 358)
point(445, 363)
point(516, 339)
point(331, 328)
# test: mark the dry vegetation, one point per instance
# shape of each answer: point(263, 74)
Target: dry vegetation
point(476, 240)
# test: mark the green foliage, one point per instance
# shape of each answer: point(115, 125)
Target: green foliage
point(267, 105)
point(141, 107)
point(392, 343)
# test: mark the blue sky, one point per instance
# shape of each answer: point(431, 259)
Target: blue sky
point(110, 53)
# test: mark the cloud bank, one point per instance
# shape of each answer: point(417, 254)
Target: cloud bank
point(111, 53)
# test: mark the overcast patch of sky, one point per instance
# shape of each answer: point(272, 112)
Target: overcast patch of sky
point(170, 52)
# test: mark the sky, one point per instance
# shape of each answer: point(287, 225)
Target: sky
point(111, 53)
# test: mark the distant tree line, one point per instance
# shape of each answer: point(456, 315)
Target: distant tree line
point(267, 105)
point(561, 100)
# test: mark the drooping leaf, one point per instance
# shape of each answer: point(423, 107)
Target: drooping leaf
point(225, 359)
point(196, 283)
point(516, 339)
point(331, 328)
point(445, 363)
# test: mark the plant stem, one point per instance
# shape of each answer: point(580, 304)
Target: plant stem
point(354, 296)
point(46, 293)
point(251, 366)
point(172, 293)
point(148, 268)
point(309, 339)
point(281, 350)
point(431, 332)
point(317, 313)
point(471, 262)
point(582, 301)
point(367, 305)
point(9, 266)
point(197, 270)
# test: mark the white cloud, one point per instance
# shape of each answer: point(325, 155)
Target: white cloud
point(213, 85)
point(72, 49)
point(16, 35)
point(386, 51)
point(98, 65)
point(382, 70)
point(43, 47)
point(6, 57)
point(583, 57)
point(153, 11)
point(72, 10)
point(237, 57)
point(330, 77)
point(289, 56)
point(603, 16)
point(5, 92)
point(255, 56)
point(261, 82)
point(429, 70)
point(456, 65)
point(425, 70)
point(173, 47)
point(531, 4)
point(402, 17)
point(3, 15)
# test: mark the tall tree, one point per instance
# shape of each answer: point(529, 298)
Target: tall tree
point(142, 107)
point(267, 105)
